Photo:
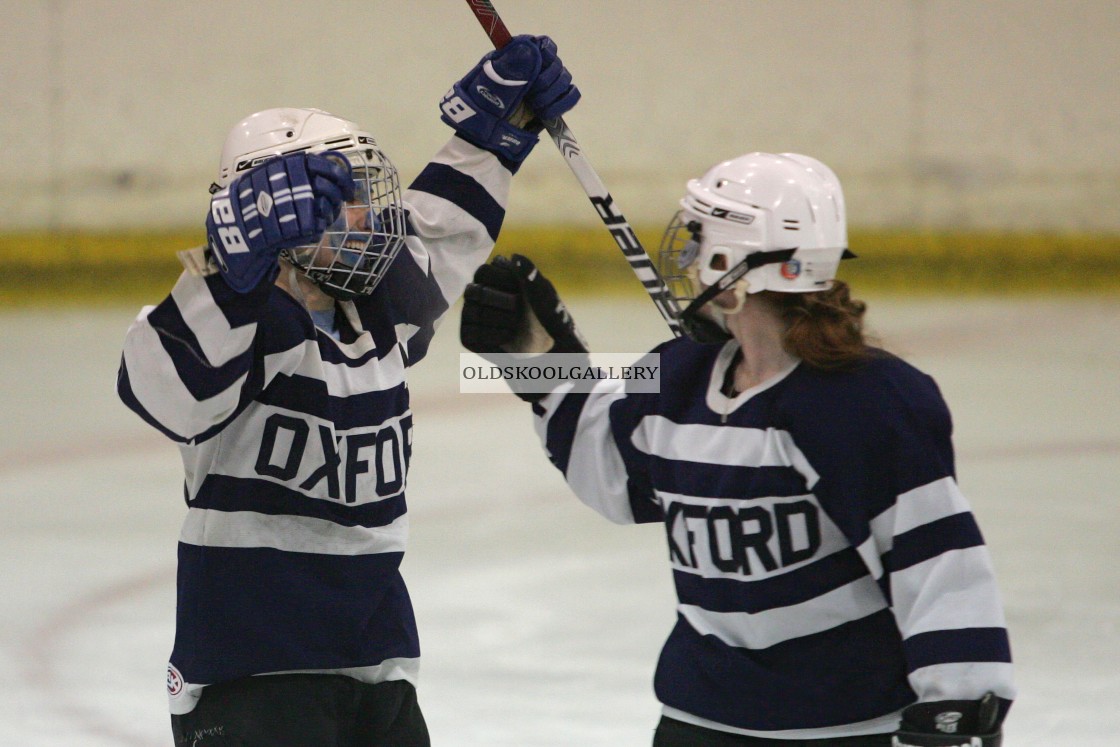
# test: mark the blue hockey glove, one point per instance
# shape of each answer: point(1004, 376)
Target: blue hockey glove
point(483, 106)
point(951, 723)
point(285, 202)
point(552, 94)
point(508, 306)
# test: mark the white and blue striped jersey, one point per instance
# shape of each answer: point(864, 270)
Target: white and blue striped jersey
point(828, 569)
point(296, 447)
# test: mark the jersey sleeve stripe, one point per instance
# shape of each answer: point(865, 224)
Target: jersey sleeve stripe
point(966, 680)
point(490, 172)
point(203, 380)
point(560, 427)
point(595, 470)
point(954, 646)
point(928, 503)
point(165, 398)
point(954, 532)
point(210, 329)
point(290, 533)
point(758, 630)
point(965, 576)
point(916, 507)
point(454, 241)
point(128, 397)
point(239, 309)
point(448, 183)
point(182, 356)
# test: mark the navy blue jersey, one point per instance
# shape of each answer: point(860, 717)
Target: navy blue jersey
point(828, 569)
point(296, 447)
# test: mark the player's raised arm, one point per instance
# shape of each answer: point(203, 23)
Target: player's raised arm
point(513, 314)
point(457, 204)
point(188, 363)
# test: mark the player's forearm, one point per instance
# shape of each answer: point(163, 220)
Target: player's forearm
point(576, 434)
point(954, 631)
point(456, 207)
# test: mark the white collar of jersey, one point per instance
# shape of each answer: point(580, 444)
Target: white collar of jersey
point(719, 402)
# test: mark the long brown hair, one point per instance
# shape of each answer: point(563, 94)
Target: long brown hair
point(825, 328)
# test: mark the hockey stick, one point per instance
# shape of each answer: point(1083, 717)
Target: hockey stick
point(593, 186)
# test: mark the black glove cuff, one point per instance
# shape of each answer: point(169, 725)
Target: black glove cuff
point(951, 723)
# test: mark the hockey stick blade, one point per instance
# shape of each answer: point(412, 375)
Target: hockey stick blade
point(593, 186)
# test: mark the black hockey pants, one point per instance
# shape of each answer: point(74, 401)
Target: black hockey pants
point(303, 710)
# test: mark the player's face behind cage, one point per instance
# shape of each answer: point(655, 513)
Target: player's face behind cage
point(356, 250)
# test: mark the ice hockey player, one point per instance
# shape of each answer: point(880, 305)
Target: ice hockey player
point(833, 587)
point(278, 365)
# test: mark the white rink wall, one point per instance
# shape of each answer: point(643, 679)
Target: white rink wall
point(943, 114)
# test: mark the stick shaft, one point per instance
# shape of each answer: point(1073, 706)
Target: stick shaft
point(491, 22)
point(593, 186)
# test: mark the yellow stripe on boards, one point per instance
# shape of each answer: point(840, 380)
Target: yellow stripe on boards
point(141, 265)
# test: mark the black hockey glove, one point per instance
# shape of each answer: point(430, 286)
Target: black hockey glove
point(951, 723)
point(512, 308)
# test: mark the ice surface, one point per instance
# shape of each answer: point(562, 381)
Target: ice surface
point(540, 622)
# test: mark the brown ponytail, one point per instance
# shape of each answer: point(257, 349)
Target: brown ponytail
point(825, 328)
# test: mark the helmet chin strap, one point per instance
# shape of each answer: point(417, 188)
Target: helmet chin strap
point(706, 329)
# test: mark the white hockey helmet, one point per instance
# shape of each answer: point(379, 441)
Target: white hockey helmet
point(356, 250)
point(762, 221)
